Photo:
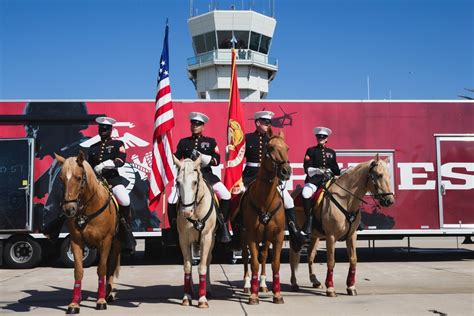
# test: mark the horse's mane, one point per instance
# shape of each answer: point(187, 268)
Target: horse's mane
point(354, 170)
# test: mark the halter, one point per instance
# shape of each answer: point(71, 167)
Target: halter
point(373, 177)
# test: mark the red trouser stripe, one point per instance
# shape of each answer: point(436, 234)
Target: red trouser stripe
point(187, 283)
point(276, 283)
point(101, 290)
point(329, 281)
point(76, 292)
point(202, 285)
point(254, 284)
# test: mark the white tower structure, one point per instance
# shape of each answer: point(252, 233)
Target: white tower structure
point(213, 35)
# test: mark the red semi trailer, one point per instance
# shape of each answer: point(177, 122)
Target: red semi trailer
point(430, 146)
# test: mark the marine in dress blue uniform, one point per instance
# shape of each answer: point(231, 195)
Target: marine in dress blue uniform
point(192, 147)
point(319, 164)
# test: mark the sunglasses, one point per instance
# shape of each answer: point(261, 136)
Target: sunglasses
point(196, 122)
point(321, 136)
point(266, 121)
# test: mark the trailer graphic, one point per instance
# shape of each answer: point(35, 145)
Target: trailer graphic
point(429, 144)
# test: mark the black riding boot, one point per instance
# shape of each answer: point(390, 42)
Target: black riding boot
point(223, 234)
point(308, 211)
point(52, 229)
point(125, 230)
point(296, 239)
point(171, 235)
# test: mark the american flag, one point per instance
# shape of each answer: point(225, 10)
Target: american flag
point(162, 167)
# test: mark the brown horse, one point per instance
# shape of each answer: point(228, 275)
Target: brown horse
point(338, 217)
point(92, 220)
point(263, 214)
point(197, 223)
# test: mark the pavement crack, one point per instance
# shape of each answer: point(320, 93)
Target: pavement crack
point(18, 276)
point(241, 303)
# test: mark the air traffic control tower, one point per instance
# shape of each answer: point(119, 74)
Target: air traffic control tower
point(213, 35)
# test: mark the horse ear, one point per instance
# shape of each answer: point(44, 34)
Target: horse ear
point(59, 158)
point(197, 162)
point(270, 132)
point(377, 158)
point(281, 134)
point(177, 162)
point(80, 158)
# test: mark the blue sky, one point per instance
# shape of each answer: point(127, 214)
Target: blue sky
point(110, 49)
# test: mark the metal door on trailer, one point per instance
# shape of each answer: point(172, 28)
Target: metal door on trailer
point(16, 178)
point(455, 179)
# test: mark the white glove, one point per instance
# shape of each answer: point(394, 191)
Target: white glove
point(314, 171)
point(205, 159)
point(108, 164)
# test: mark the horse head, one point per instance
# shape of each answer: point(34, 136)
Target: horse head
point(379, 181)
point(277, 154)
point(74, 178)
point(187, 182)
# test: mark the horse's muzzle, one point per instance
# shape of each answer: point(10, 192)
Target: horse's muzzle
point(284, 172)
point(70, 209)
point(387, 201)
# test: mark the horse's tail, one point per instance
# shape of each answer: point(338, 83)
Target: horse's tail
point(113, 261)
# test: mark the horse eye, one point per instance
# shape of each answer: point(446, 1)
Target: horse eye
point(195, 183)
point(78, 178)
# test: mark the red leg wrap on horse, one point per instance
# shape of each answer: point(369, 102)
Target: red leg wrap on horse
point(101, 290)
point(76, 292)
point(329, 281)
point(276, 283)
point(254, 284)
point(202, 285)
point(187, 283)
point(351, 277)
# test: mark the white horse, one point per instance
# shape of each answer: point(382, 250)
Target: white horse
point(197, 222)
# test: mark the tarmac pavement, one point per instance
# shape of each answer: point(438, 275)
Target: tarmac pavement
point(436, 277)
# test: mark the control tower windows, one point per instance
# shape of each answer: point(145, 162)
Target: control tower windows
point(242, 38)
point(259, 43)
point(205, 42)
point(224, 38)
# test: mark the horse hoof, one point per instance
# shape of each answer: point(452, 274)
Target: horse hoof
point(101, 306)
point(263, 289)
point(317, 286)
point(331, 293)
point(278, 300)
point(203, 305)
point(254, 301)
point(246, 290)
point(186, 302)
point(73, 310)
point(111, 298)
point(295, 287)
point(351, 292)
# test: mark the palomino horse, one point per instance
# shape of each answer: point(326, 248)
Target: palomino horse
point(338, 217)
point(197, 223)
point(263, 214)
point(92, 220)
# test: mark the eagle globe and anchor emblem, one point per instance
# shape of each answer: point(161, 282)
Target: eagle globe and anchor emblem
point(235, 151)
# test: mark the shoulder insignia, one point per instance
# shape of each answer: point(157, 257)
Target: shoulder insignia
point(307, 157)
point(122, 149)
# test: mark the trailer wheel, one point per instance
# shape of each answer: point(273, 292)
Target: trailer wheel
point(22, 252)
point(67, 257)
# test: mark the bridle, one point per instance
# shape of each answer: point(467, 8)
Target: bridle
point(77, 200)
point(195, 202)
point(276, 165)
point(373, 176)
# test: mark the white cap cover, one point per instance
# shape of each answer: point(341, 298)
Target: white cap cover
point(104, 120)
point(322, 131)
point(265, 115)
point(198, 116)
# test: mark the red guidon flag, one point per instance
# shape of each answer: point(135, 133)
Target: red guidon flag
point(235, 149)
point(162, 167)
